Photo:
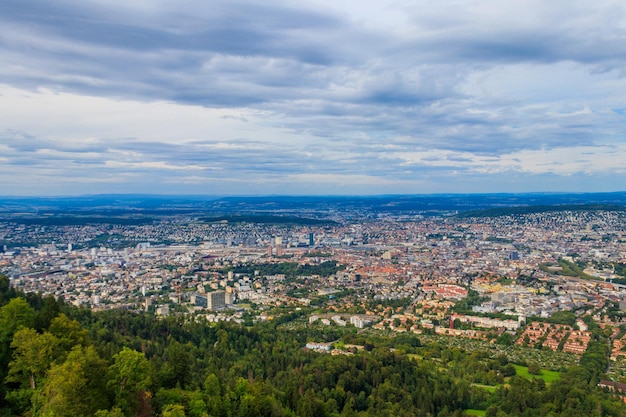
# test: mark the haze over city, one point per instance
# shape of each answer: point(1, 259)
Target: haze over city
point(251, 98)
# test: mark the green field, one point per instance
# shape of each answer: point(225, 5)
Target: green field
point(548, 376)
point(471, 412)
point(490, 388)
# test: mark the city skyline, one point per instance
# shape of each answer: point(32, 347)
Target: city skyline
point(307, 98)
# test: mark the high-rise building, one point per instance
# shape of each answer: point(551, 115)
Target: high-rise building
point(279, 245)
point(216, 300)
point(311, 239)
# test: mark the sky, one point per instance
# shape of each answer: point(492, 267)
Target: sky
point(312, 97)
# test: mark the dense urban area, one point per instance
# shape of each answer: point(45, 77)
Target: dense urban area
point(540, 291)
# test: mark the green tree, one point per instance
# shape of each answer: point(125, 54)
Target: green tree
point(197, 407)
point(49, 310)
point(214, 392)
point(534, 369)
point(6, 291)
point(212, 385)
point(69, 332)
point(178, 365)
point(174, 410)
point(76, 388)
point(129, 378)
point(33, 354)
point(494, 411)
point(508, 370)
point(15, 315)
point(114, 412)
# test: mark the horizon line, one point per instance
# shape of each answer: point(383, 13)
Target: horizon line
point(157, 195)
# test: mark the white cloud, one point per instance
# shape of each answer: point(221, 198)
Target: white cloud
point(78, 119)
point(564, 161)
point(385, 96)
point(156, 165)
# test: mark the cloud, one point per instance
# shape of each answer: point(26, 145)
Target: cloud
point(404, 95)
point(560, 161)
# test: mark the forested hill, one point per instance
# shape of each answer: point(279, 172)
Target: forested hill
point(58, 360)
point(147, 207)
point(520, 210)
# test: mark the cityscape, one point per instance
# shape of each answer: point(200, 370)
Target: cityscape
point(312, 209)
point(485, 278)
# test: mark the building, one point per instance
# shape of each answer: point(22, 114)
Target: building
point(163, 310)
point(199, 300)
point(611, 386)
point(319, 346)
point(230, 297)
point(279, 246)
point(216, 300)
point(360, 322)
point(486, 322)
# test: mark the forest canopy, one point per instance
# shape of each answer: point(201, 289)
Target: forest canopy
point(60, 360)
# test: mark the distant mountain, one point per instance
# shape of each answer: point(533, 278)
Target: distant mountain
point(428, 204)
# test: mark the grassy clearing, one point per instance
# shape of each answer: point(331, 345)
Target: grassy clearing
point(472, 412)
point(490, 388)
point(548, 376)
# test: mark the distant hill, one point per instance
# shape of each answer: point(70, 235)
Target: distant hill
point(267, 219)
point(296, 206)
point(519, 210)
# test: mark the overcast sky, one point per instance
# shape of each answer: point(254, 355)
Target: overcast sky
point(311, 97)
